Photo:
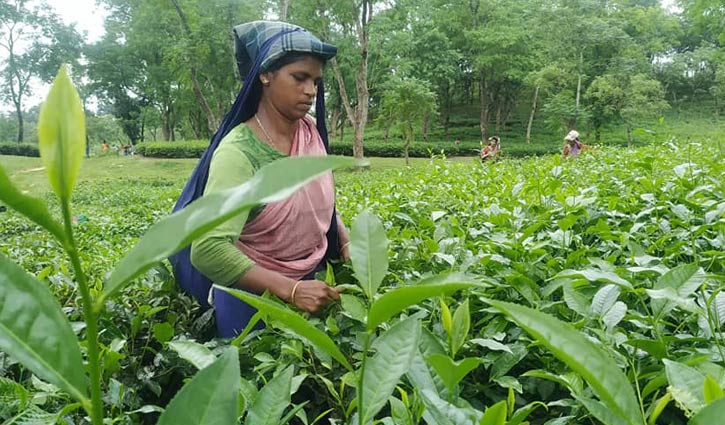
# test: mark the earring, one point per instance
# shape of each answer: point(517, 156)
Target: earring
point(265, 82)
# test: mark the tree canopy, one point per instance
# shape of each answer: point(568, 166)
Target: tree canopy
point(165, 69)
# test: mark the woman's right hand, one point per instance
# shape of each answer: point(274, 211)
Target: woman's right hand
point(312, 295)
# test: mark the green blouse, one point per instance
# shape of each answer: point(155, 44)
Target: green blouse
point(239, 155)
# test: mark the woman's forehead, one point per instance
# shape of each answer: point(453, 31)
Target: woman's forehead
point(308, 64)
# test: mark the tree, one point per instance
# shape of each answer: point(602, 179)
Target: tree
point(606, 98)
point(409, 41)
point(36, 42)
point(357, 24)
point(406, 102)
point(644, 99)
point(347, 24)
point(164, 55)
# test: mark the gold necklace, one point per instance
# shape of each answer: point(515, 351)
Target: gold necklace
point(264, 130)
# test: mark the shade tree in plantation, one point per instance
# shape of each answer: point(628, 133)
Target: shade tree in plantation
point(624, 99)
point(33, 43)
point(165, 69)
point(175, 57)
point(407, 102)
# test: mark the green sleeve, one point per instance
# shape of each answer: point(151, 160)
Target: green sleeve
point(215, 253)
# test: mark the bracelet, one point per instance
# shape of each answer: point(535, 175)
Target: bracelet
point(345, 245)
point(294, 289)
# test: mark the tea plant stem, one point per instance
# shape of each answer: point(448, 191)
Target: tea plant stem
point(714, 326)
point(360, 390)
point(652, 319)
point(635, 378)
point(96, 411)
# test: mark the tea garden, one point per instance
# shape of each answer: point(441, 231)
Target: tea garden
point(529, 290)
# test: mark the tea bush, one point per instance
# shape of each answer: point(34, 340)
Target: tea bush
point(599, 296)
point(392, 149)
point(179, 149)
point(19, 149)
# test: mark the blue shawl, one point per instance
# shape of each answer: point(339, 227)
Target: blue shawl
point(191, 280)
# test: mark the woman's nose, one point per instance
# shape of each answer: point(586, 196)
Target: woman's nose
point(311, 88)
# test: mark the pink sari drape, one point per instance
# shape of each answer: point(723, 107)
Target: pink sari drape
point(289, 236)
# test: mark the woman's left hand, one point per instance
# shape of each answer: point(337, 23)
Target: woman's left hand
point(343, 239)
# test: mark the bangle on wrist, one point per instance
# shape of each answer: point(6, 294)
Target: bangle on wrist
point(345, 245)
point(294, 290)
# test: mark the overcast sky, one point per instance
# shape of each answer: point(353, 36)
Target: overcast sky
point(85, 13)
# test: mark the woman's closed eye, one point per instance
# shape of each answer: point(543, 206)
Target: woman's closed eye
point(301, 78)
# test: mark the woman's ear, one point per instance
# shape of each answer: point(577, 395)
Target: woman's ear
point(264, 79)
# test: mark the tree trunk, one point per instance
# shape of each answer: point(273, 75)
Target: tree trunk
point(194, 126)
point(166, 124)
point(531, 116)
point(629, 136)
point(446, 109)
point(597, 135)
point(143, 129)
point(361, 82)
point(335, 119)
point(211, 119)
point(498, 118)
point(359, 117)
point(578, 89)
point(283, 8)
point(483, 98)
point(506, 115)
point(17, 96)
point(386, 134)
point(406, 145)
point(426, 127)
point(21, 126)
point(343, 91)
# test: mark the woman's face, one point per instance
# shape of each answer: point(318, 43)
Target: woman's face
point(292, 88)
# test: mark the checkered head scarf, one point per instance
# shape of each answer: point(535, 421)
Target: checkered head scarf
point(251, 36)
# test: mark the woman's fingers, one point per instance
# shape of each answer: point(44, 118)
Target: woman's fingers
point(312, 295)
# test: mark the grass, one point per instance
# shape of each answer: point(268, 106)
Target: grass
point(28, 173)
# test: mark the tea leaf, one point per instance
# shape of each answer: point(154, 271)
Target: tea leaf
point(210, 398)
point(269, 405)
point(32, 208)
point(593, 275)
point(712, 414)
point(712, 390)
point(461, 325)
point(609, 383)
point(495, 415)
point(446, 317)
point(686, 385)
point(684, 280)
point(420, 373)
point(194, 353)
point(293, 321)
point(452, 372)
point(62, 135)
point(398, 299)
point(604, 299)
point(369, 252)
point(395, 351)
point(34, 330)
point(271, 183)
point(445, 413)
